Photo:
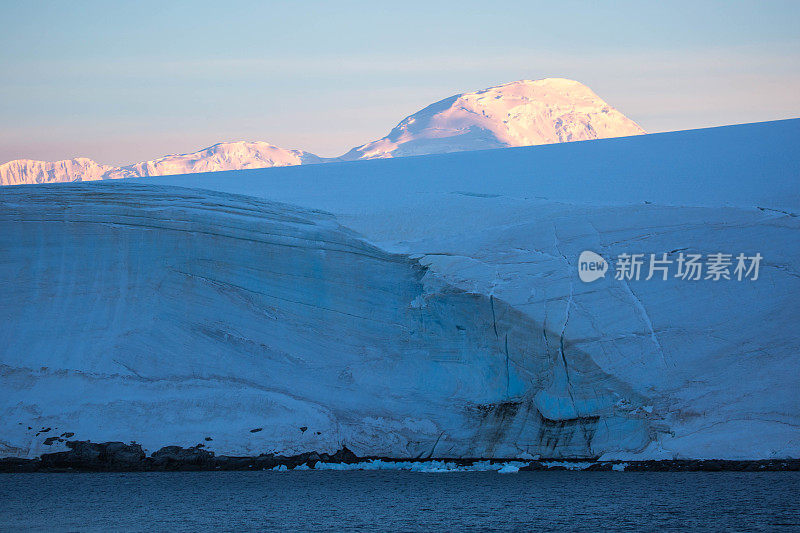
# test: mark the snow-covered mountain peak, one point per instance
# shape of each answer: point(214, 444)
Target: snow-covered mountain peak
point(520, 113)
point(221, 156)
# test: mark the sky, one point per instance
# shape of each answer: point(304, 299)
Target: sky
point(121, 82)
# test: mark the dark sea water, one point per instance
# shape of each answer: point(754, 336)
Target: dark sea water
point(401, 501)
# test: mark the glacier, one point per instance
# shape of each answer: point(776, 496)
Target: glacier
point(414, 307)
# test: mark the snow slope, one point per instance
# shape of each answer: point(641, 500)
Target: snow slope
point(222, 156)
point(520, 113)
point(436, 311)
point(749, 165)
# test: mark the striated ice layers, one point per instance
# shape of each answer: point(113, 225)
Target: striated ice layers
point(167, 315)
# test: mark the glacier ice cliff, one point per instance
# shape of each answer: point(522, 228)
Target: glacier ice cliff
point(167, 315)
point(417, 307)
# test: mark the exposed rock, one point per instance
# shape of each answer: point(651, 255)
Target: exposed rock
point(121, 457)
point(343, 456)
point(15, 464)
point(600, 467)
point(536, 466)
point(224, 462)
point(87, 455)
point(177, 458)
point(121, 453)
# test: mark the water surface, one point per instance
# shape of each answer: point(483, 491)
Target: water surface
point(400, 501)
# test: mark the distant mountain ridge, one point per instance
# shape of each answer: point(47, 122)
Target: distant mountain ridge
point(223, 156)
point(520, 113)
point(22, 171)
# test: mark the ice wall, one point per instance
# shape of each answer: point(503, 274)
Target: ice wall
point(168, 315)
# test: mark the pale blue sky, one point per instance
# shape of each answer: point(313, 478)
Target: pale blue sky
point(126, 81)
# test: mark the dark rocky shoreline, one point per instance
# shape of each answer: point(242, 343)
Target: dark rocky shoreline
point(85, 456)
